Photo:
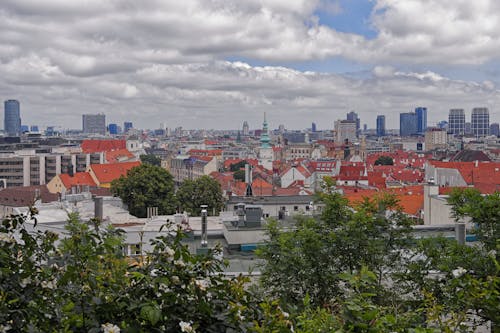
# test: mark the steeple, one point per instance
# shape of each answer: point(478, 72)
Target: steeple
point(264, 136)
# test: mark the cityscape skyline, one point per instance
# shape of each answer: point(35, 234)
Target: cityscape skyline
point(299, 61)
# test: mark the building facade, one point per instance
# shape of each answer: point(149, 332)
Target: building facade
point(436, 138)
point(94, 123)
point(408, 124)
point(456, 121)
point(421, 119)
point(380, 125)
point(495, 129)
point(345, 130)
point(353, 116)
point(480, 122)
point(12, 118)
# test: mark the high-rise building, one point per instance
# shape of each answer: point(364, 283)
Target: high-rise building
point(353, 116)
point(456, 121)
point(408, 124)
point(468, 128)
point(127, 125)
point(34, 128)
point(246, 129)
point(480, 122)
point(94, 123)
point(345, 130)
point(421, 119)
point(313, 127)
point(12, 118)
point(381, 125)
point(495, 129)
point(436, 138)
point(25, 129)
point(113, 129)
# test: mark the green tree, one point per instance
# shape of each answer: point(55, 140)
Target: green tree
point(202, 191)
point(146, 186)
point(310, 259)
point(150, 159)
point(384, 160)
point(239, 175)
point(237, 166)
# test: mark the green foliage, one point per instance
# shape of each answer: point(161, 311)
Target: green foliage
point(483, 211)
point(146, 186)
point(384, 160)
point(238, 166)
point(202, 191)
point(239, 175)
point(85, 284)
point(150, 159)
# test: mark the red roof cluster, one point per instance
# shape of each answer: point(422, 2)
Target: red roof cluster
point(96, 146)
point(106, 173)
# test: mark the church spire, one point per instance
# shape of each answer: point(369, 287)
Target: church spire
point(264, 136)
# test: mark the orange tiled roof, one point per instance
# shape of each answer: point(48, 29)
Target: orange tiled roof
point(79, 178)
point(95, 146)
point(106, 173)
point(114, 156)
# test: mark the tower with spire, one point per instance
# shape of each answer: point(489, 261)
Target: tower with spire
point(266, 154)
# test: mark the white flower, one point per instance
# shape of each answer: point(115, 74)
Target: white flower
point(6, 238)
point(169, 251)
point(49, 284)
point(5, 328)
point(110, 328)
point(458, 272)
point(202, 284)
point(285, 314)
point(240, 316)
point(164, 288)
point(492, 253)
point(24, 282)
point(179, 263)
point(186, 327)
point(175, 279)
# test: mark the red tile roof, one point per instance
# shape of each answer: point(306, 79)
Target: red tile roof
point(79, 178)
point(95, 146)
point(106, 173)
point(118, 155)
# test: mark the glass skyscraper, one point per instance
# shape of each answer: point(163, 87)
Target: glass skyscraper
point(456, 121)
point(480, 122)
point(380, 125)
point(12, 118)
point(408, 124)
point(421, 119)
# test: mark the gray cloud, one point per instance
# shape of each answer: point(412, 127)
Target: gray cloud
point(157, 60)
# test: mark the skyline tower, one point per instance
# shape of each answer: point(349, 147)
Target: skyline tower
point(456, 121)
point(94, 123)
point(380, 125)
point(353, 116)
point(246, 129)
point(408, 124)
point(421, 119)
point(480, 122)
point(12, 118)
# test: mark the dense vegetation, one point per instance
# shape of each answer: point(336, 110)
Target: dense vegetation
point(348, 271)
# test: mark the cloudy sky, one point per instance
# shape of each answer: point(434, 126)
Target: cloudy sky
point(215, 63)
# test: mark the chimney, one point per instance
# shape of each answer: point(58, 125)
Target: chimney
point(98, 208)
point(204, 236)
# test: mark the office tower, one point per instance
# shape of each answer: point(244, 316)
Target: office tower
point(380, 125)
point(313, 127)
point(113, 129)
point(345, 130)
point(421, 119)
point(443, 124)
point(25, 129)
point(353, 116)
point(127, 125)
point(456, 121)
point(480, 122)
point(12, 118)
point(94, 123)
point(408, 124)
point(246, 128)
point(495, 129)
point(34, 128)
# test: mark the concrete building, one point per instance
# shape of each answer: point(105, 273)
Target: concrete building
point(480, 122)
point(94, 123)
point(26, 168)
point(185, 167)
point(456, 121)
point(353, 116)
point(495, 129)
point(345, 130)
point(421, 113)
point(436, 138)
point(12, 118)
